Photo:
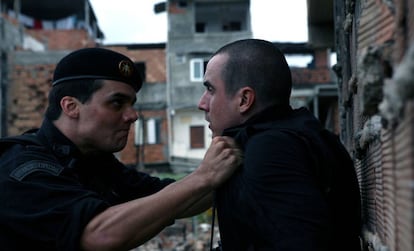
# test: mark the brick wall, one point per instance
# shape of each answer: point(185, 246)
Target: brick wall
point(27, 96)
point(154, 59)
point(63, 39)
point(319, 71)
point(311, 76)
point(374, 38)
point(30, 75)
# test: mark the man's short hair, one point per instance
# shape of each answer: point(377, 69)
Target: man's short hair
point(81, 89)
point(260, 65)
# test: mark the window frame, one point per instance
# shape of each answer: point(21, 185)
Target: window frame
point(148, 131)
point(200, 66)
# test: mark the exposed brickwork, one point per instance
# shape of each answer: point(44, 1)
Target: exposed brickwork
point(318, 73)
point(63, 39)
point(404, 177)
point(27, 96)
point(154, 61)
point(376, 25)
point(401, 29)
point(311, 76)
point(385, 167)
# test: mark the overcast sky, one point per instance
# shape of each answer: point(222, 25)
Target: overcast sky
point(134, 21)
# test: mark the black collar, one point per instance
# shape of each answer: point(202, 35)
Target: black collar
point(268, 114)
point(57, 142)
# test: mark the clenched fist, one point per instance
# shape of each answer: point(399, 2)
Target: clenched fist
point(221, 160)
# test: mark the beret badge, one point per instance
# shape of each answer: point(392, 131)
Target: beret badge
point(125, 68)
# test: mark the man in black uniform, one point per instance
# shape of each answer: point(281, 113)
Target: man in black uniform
point(63, 189)
point(297, 188)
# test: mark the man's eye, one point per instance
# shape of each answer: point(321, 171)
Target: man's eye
point(117, 103)
point(209, 88)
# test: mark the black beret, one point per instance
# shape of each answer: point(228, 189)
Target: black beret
point(97, 63)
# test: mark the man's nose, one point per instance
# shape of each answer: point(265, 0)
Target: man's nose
point(131, 114)
point(202, 104)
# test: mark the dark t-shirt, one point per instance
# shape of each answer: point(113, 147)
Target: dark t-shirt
point(276, 200)
point(50, 192)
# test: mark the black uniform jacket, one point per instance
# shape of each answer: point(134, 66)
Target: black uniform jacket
point(49, 192)
point(275, 202)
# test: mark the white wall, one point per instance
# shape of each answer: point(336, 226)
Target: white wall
point(181, 122)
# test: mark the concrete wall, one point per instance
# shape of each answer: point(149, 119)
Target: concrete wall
point(184, 44)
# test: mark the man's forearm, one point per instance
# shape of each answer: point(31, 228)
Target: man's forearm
point(200, 206)
point(130, 224)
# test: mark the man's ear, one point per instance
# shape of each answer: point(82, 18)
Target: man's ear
point(70, 106)
point(247, 97)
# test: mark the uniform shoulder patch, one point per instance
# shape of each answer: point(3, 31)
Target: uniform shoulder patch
point(36, 166)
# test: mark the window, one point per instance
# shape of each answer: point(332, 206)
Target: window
point(196, 137)
point(196, 70)
point(221, 16)
point(152, 131)
point(197, 66)
point(232, 26)
point(200, 27)
point(139, 132)
point(147, 131)
point(182, 4)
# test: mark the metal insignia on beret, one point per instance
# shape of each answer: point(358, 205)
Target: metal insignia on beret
point(125, 68)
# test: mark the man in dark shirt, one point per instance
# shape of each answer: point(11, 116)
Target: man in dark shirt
point(63, 189)
point(297, 189)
